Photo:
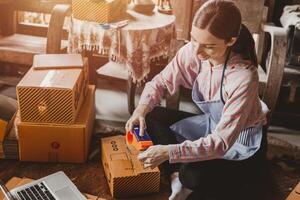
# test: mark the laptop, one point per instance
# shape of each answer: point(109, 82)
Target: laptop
point(56, 186)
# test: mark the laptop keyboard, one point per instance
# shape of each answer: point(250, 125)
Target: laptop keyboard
point(35, 192)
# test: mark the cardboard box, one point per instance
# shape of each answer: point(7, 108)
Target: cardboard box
point(16, 181)
point(59, 143)
point(103, 11)
point(63, 61)
point(295, 194)
point(125, 174)
point(53, 90)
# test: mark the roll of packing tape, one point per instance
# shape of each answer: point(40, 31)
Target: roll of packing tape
point(134, 139)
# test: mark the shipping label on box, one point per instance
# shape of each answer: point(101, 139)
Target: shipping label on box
point(125, 174)
point(53, 90)
point(59, 143)
point(100, 11)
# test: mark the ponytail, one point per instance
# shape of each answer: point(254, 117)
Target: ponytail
point(245, 45)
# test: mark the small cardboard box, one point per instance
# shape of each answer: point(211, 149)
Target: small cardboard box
point(125, 174)
point(295, 194)
point(53, 90)
point(100, 11)
point(16, 181)
point(59, 143)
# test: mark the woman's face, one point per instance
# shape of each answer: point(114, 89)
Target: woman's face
point(207, 46)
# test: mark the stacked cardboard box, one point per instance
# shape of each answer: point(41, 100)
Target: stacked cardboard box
point(59, 143)
point(53, 90)
point(56, 109)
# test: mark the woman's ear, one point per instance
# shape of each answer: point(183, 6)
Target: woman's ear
point(231, 41)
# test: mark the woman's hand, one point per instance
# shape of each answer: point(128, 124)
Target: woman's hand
point(154, 156)
point(138, 118)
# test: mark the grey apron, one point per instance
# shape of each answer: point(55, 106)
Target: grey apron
point(193, 128)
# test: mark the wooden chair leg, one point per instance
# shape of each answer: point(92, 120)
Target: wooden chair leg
point(131, 87)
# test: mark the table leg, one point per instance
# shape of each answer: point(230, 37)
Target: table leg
point(131, 87)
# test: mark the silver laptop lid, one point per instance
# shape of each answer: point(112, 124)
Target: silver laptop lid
point(56, 186)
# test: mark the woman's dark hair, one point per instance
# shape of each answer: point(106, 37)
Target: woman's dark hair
point(223, 19)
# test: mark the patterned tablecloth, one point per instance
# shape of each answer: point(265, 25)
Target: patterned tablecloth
point(146, 37)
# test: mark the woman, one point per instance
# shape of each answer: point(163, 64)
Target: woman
point(210, 155)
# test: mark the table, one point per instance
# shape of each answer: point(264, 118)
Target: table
point(145, 38)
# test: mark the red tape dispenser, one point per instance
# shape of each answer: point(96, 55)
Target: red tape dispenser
point(134, 139)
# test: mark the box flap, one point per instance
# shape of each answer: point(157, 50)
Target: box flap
point(54, 78)
point(57, 61)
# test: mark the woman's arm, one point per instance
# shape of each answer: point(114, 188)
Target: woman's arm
point(182, 70)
